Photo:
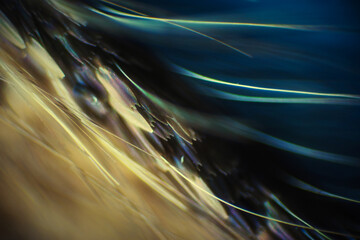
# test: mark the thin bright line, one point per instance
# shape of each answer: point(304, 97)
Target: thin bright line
point(201, 22)
point(307, 187)
point(171, 23)
point(243, 98)
point(191, 74)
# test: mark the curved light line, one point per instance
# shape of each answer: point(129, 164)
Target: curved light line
point(264, 138)
point(243, 98)
point(282, 205)
point(201, 22)
point(211, 194)
point(143, 15)
point(297, 149)
point(188, 73)
point(248, 211)
point(307, 187)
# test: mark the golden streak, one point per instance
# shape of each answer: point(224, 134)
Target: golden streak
point(70, 177)
point(212, 23)
point(145, 16)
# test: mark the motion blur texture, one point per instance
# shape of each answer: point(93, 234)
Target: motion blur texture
point(134, 119)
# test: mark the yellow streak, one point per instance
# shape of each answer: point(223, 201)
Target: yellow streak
point(119, 155)
point(116, 101)
point(9, 32)
point(201, 22)
point(143, 15)
point(22, 85)
point(188, 73)
point(297, 217)
point(142, 173)
point(221, 200)
point(81, 173)
point(252, 213)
